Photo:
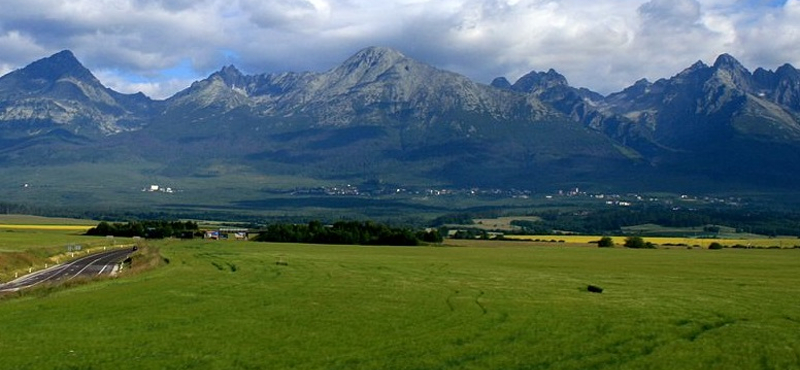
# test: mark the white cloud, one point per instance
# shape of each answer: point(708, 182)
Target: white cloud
point(161, 88)
point(160, 46)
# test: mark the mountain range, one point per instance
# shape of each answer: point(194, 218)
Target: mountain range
point(383, 117)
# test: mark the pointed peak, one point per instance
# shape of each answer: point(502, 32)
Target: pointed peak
point(369, 63)
point(230, 76)
point(65, 59)
point(374, 55)
point(57, 66)
point(64, 54)
point(230, 71)
point(552, 73)
point(698, 65)
point(379, 50)
point(726, 61)
point(639, 87)
point(786, 69)
point(538, 80)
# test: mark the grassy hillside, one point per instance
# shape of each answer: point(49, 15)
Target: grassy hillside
point(488, 306)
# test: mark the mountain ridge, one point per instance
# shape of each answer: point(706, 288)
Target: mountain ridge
point(382, 115)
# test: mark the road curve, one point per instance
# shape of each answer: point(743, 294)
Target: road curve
point(91, 265)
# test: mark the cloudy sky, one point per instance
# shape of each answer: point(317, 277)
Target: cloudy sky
point(161, 46)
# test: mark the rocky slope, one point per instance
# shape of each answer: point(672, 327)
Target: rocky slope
point(58, 92)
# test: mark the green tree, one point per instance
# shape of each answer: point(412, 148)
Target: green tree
point(430, 236)
point(606, 242)
point(637, 242)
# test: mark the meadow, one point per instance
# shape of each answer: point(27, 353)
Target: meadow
point(476, 305)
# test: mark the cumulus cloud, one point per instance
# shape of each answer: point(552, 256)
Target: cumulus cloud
point(160, 46)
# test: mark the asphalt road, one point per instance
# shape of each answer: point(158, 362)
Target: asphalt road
point(91, 265)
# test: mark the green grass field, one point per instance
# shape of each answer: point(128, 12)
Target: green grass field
point(228, 305)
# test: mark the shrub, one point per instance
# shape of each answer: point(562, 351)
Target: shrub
point(606, 242)
point(715, 245)
point(637, 242)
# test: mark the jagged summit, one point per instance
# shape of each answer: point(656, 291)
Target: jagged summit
point(58, 90)
point(787, 70)
point(368, 64)
point(698, 66)
point(230, 71)
point(374, 55)
point(231, 76)
point(535, 81)
point(726, 61)
point(59, 65)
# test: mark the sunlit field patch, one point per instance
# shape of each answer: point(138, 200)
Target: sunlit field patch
point(45, 227)
point(784, 242)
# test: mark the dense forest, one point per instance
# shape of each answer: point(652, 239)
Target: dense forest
point(611, 221)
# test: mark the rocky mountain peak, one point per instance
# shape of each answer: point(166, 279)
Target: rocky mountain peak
point(60, 65)
point(374, 69)
point(536, 81)
point(698, 66)
point(730, 71)
point(787, 71)
point(230, 76)
point(375, 55)
point(726, 61)
point(638, 88)
point(59, 93)
point(230, 72)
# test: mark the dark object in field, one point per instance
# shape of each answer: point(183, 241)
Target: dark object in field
point(282, 263)
point(594, 289)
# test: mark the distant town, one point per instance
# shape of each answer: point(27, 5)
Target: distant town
point(612, 199)
point(158, 189)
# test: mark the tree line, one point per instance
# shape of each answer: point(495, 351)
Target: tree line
point(612, 221)
point(154, 229)
point(347, 232)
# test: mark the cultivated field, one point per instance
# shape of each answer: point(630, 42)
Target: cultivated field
point(762, 242)
point(27, 220)
point(489, 305)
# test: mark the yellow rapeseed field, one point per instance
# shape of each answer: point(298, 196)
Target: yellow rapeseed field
point(665, 241)
point(45, 227)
